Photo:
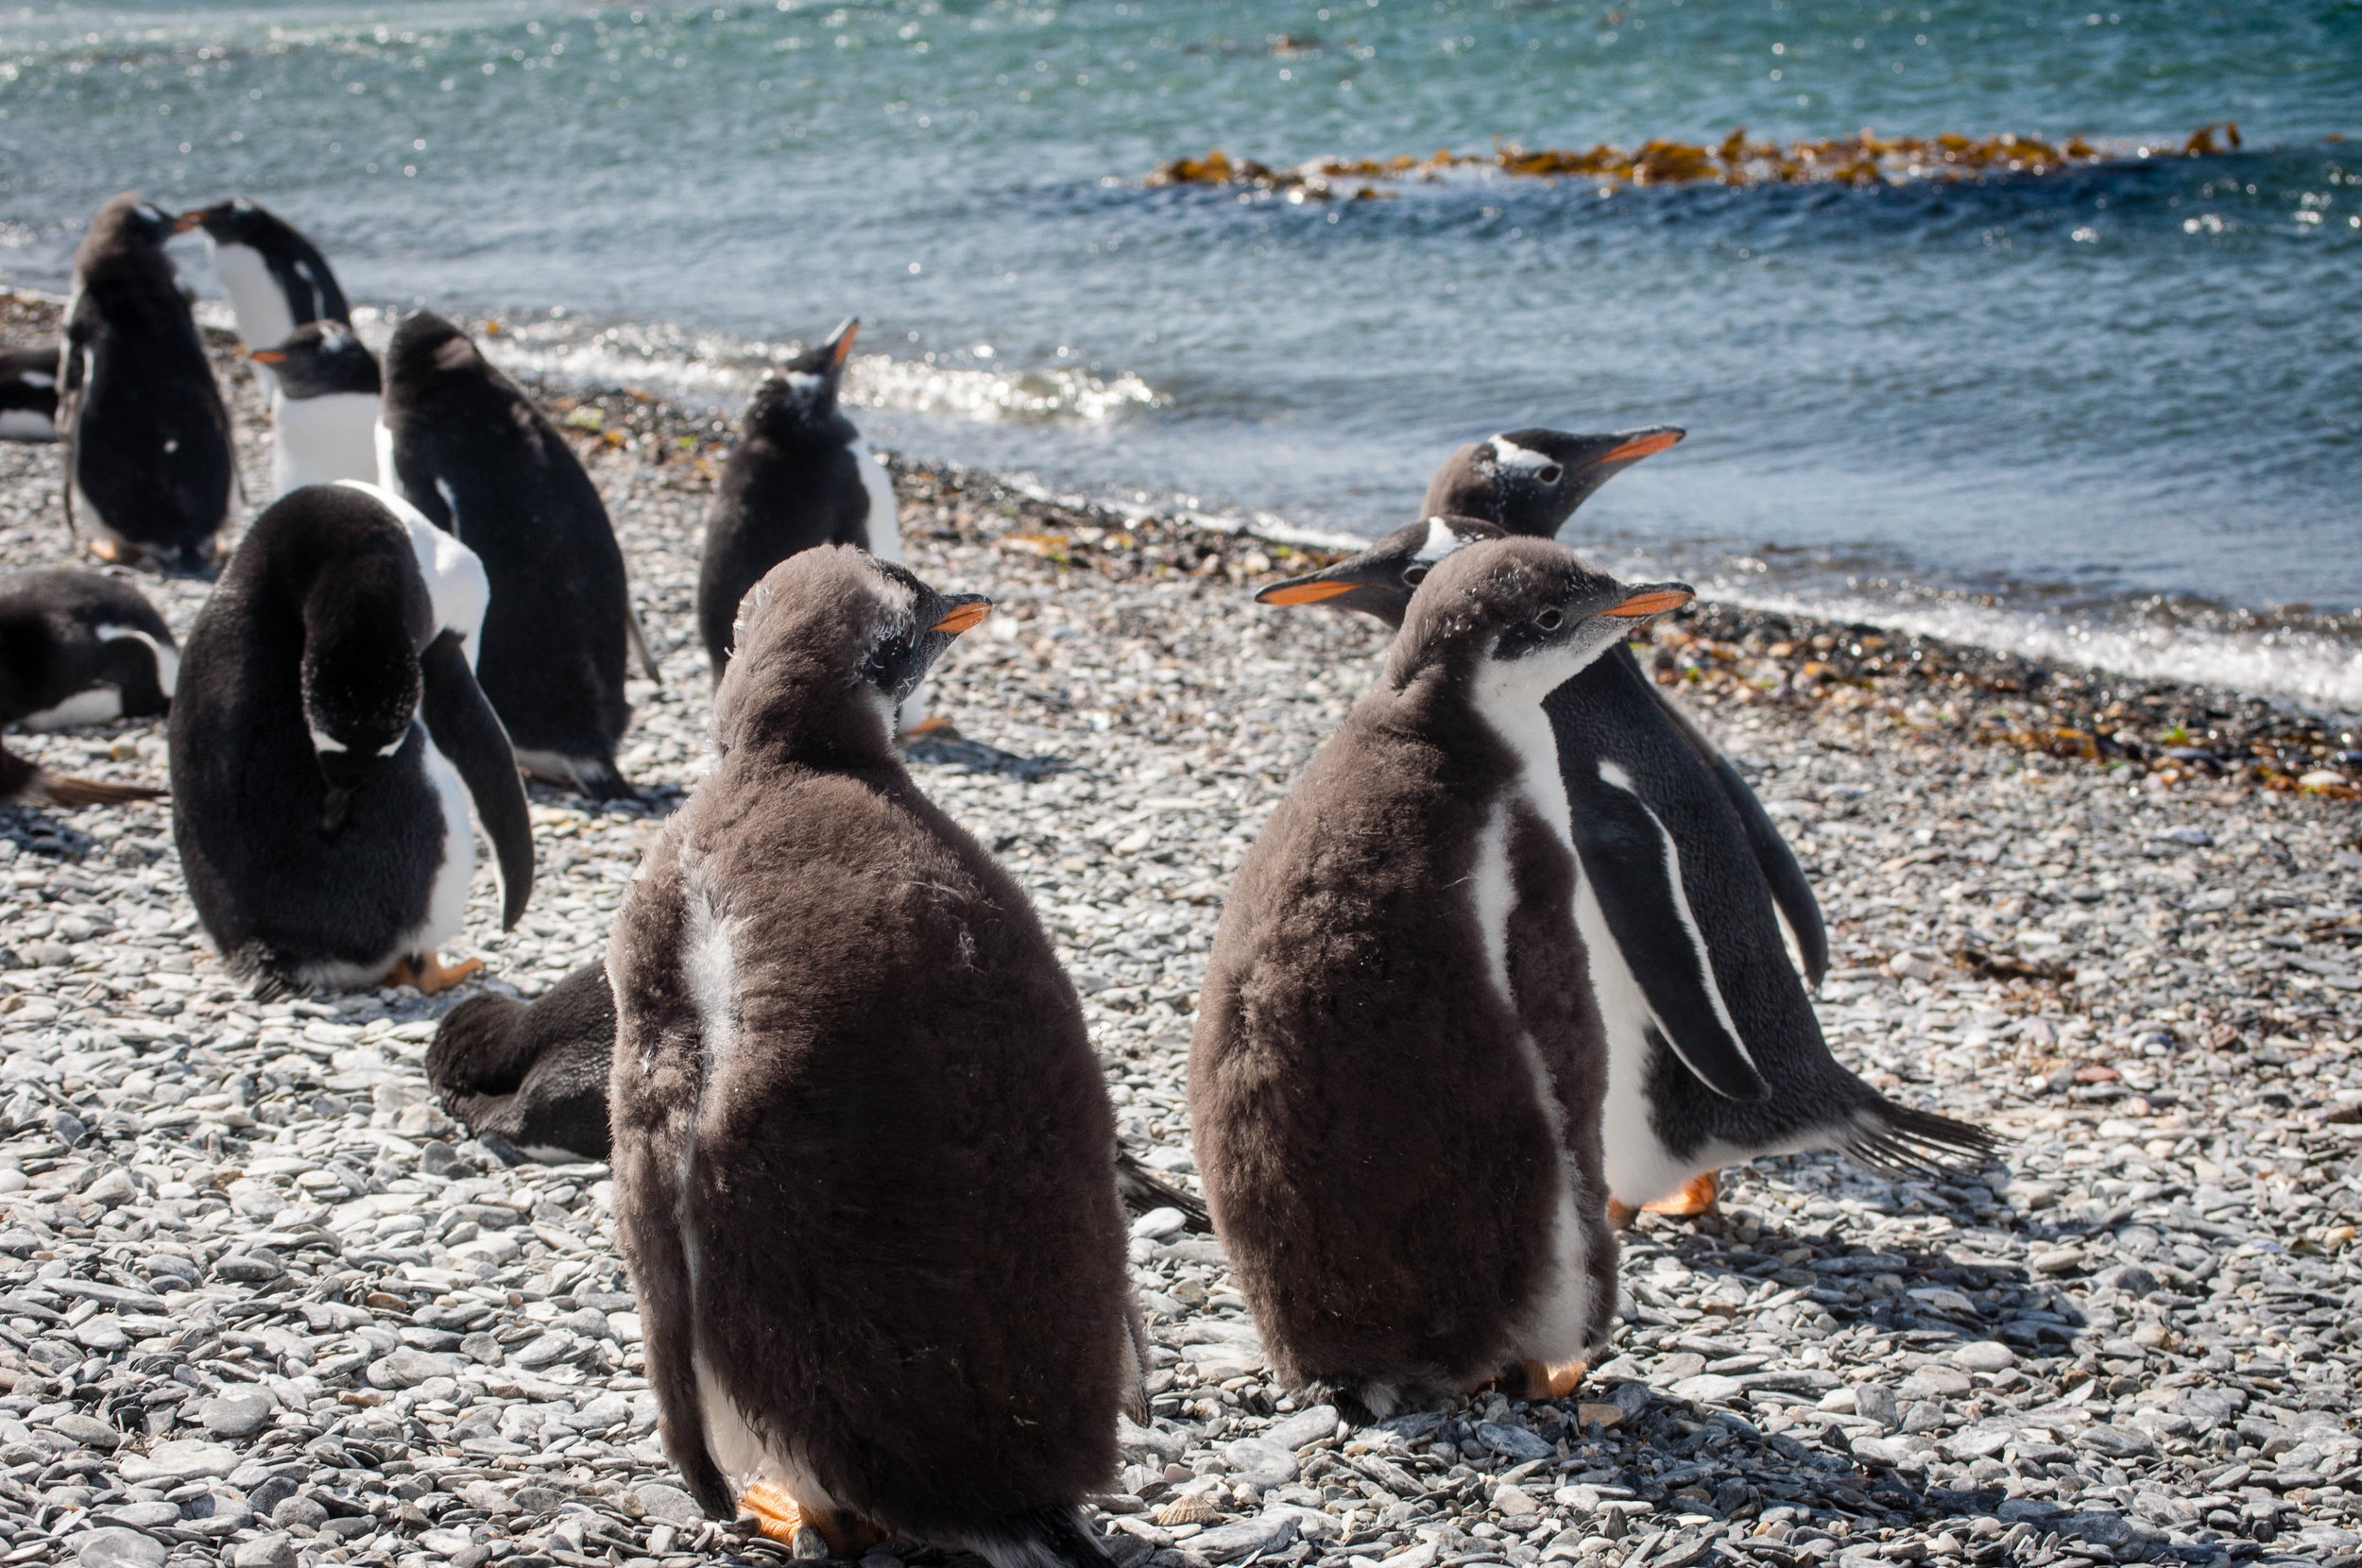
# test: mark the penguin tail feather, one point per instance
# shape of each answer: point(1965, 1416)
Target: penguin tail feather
point(1904, 1144)
point(1045, 1538)
point(57, 789)
point(1142, 1191)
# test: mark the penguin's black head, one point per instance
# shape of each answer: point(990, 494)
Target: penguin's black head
point(829, 643)
point(236, 221)
point(801, 395)
point(425, 346)
point(1530, 482)
point(1520, 616)
point(126, 230)
point(321, 357)
point(1380, 580)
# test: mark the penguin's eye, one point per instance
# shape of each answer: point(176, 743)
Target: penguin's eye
point(1549, 620)
point(1415, 575)
point(1549, 473)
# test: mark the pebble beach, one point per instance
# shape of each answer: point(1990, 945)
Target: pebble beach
point(262, 1305)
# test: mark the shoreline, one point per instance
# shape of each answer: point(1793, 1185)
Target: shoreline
point(2127, 1335)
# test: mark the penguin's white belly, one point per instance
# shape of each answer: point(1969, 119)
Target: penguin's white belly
point(321, 440)
point(167, 659)
point(26, 424)
point(255, 297)
point(1638, 1167)
point(94, 707)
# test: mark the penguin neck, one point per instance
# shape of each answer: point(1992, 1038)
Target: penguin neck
point(807, 723)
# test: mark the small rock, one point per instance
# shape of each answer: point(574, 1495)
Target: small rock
point(1261, 1462)
point(298, 1510)
point(238, 1413)
point(406, 1368)
point(112, 1187)
point(1156, 1224)
point(114, 1546)
point(669, 1505)
point(1984, 1355)
point(1305, 1426)
point(170, 1463)
point(1266, 1532)
point(87, 1430)
point(1515, 1442)
point(269, 1551)
point(1514, 1502)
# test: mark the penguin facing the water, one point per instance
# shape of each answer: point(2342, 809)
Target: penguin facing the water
point(324, 399)
point(29, 392)
point(1681, 939)
point(800, 476)
point(148, 459)
point(1398, 1065)
point(861, 1144)
point(81, 648)
point(276, 279)
point(327, 742)
point(468, 448)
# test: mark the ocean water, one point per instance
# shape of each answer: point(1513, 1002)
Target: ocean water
point(2113, 413)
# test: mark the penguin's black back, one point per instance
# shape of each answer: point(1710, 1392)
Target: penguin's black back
point(475, 453)
point(296, 264)
point(151, 436)
point(50, 646)
point(534, 1073)
point(276, 888)
point(781, 492)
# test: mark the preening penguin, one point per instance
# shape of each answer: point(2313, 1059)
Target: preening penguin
point(324, 399)
point(1398, 1065)
point(861, 1145)
point(29, 392)
point(1681, 936)
point(80, 648)
point(276, 279)
point(328, 739)
point(148, 459)
point(800, 476)
point(469, 448)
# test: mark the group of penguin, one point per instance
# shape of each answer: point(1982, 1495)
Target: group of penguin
point(1510, 962)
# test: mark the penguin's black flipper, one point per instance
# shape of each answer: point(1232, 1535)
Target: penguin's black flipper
point(1635, 870)
point(1045, 1538)
point(1142, 1190)
point(1791, 889)
point(468, 731)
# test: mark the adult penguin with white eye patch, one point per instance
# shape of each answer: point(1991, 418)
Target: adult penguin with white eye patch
point(328, 740)
point(467, 447)
point(1680, 934)
point(1396, 1074)
point(148, 461)
point(276, 279)
point(800, 476)
point(325, 394)
point(81, 648)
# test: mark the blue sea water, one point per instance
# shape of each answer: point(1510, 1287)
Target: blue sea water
point(2114, 412)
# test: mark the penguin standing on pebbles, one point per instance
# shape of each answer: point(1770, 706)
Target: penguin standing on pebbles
point(468, 448)
point(148, 459)
point(324, 399)
point(1398, 1065)
point(800, 476)
point(861, 1143)
point(276, 279)
point(328, 742)
point(80, 648)
point(28, 393)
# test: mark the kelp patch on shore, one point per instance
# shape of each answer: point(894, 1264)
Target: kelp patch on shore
point(1863, 159)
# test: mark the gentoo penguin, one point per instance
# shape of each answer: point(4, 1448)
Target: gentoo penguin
point(862, 1147)
point(80, 648)
point(469, 448)
point(323, 406)
point(1396, 1075)
point(28, 393)
point(148, 459)
point(802, 476)
point(276, 279)
point(1530, 482)
point(533, 1075)
point(1682, 940)
point(329, 741)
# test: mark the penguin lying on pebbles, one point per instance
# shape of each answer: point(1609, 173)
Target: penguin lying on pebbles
point(468, 448)
point(80, 648)
point(276, 279)
point(1399, 1066)
point(29, 392)
point(1683, 942)
point(862, 1146)
point(534, 1074)
point(324, 401)
point(800, 476)
point(328, 739)
point(147, 459)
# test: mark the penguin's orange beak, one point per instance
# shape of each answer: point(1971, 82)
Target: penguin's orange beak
point(267, 356)
point(964, 618)
point(850, 330)
point(1653, 600)
point(1644, 446)
point(187, 221)
point(1307, 590)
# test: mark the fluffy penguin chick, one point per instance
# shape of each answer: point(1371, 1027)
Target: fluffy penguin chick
point(1398, 1069)
point(80, 648)
point(328, 737)
point(323, 407)
point(861, 1144)
point(468, 448)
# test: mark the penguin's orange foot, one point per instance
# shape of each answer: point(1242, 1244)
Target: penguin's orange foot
point(426, 971)
point(932, 725)
point(781, 1518)
point(1545, 1380)
point(1621, 1214)
point(1697, 1196)
point(110, 551)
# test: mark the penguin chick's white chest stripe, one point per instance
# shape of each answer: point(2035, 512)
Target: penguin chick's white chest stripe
point(321, 441)
point(1552, 1325)
point(255, 297)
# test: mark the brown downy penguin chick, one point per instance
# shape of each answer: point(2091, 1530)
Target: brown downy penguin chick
point(862, 1174)
point(1399, 1066)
